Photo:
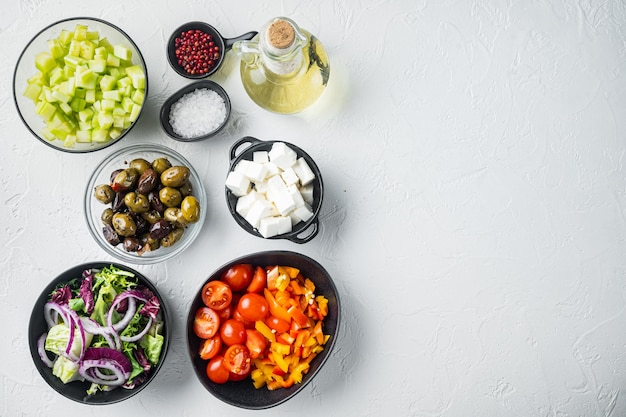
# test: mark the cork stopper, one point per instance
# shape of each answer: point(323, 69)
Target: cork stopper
point(281, 34)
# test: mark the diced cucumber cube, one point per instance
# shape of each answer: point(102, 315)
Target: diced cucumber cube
point(113, 61)
point(90, 96)
point(32, 91)
point(108, 82)
point(80, 32)
point(47, 134)
point(74, 48)
point(115, 132)
point(107, 105)
point(98, 65)
point(56, 48)
point(118, 110)
point(122, 52)
point(44, 61)
point(92, 35)
point(78, 104)
point(85, 115)
point(127, 104)
point(61, 97)
point(100, 135)
point(46, 110)
point(138, 96)
point(73, 60)
point(112, 95)
point(137, 75)
point(70, 141)
point(118, 121)
point(65, 37)
point(105, 119)
point(134, 113)
point(85, 78)
point(83, 136)
point(87, 49)
point(66, 108)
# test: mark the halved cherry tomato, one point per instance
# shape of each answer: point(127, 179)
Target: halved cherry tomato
point(259, 280)
point(238, 276)
point(253, 306)
point(236, 377)
point(217, 295)
point(206, 323)
point(255, 342)
point(210, 347)
point(237, 359)
point(233, 332)
point(280, 325)
point(216, 371)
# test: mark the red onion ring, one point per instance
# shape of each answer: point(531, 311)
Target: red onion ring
point(42, 351)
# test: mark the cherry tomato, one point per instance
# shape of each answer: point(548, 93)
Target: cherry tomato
point(259, 280)
point(237, 359)
point(238, 276)
point(236, 377)
point(280, 325)
point(206, 323)
point(246, 323)
point(210, 347)
point(255, 342)
point(217, 295)
point(253, 306)
point(216, 371)
point(233, 332)
point(225, 313)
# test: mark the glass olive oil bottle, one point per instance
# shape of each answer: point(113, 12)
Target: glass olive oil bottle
point(284, 69)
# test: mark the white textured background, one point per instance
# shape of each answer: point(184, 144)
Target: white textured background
point(474, 217)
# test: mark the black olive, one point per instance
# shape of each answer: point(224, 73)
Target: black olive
point(160, 229)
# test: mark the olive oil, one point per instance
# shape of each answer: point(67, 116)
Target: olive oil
point(284, 69)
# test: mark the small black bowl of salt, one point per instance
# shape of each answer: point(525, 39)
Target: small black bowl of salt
point(195, 112)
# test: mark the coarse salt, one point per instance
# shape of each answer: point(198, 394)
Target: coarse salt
point(197, 113)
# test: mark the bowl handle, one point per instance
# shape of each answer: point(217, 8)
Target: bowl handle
point(228, 42)
point(235, 147)
point(313, 229)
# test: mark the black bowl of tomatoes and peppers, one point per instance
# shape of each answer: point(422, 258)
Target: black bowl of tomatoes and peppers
point(261, 327)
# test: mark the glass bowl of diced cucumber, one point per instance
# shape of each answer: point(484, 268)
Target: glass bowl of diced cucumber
point(80, 84)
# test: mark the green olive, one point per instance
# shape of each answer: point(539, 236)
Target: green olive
point(170, 196)
point(175, 215)
point(190, 207)
point(137, 203)
point(175, 176)
point(151, 216)
point(172, 237)
point(124, 224)
point(107, 216)
point(186, 189)
point(104, 193)
point(160, 165)
point(125, 179)
point(139, 164)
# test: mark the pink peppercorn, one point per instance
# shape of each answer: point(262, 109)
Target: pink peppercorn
point(196, 52)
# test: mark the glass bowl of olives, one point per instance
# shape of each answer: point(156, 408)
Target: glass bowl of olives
point(144, 204)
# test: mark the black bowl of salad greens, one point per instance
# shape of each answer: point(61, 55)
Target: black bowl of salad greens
point(99, 333)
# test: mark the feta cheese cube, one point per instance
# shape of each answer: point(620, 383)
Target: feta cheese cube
point(238, 183)
point(256, 171)
point(304, 212)
point(246, 201)
point(242, 166)
point(273, 226)
point(283, 201)
point(289, 176)
point(295, 194)
point(307, 193)
point(282, 155)
point(294, 219)
point(276, 184)
point(272, 169)
point(258, 210)
point(261, 187)
point(303, 171)
point(261, 157)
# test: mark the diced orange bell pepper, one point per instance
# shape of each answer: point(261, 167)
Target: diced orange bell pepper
point(276, 309)
point(291, 271)
point(297, 315)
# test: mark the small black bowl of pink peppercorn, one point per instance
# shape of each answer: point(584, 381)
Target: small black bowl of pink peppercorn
point(196, 49)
